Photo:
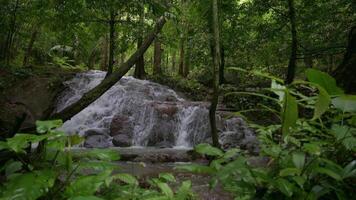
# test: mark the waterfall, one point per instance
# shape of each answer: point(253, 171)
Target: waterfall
point(138, 113)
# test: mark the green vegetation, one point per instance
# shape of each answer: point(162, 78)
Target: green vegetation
point(286, 67)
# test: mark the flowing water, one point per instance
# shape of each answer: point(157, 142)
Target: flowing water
point(142, 113)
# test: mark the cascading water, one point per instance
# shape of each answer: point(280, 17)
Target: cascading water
point(139, 113)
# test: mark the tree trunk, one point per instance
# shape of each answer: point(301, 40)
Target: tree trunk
point(10, 36)
point(216, 59)
point(140, 65)
point(186, 67)
point(293, 57)
point(174, 62)
point(345, 72)
point(30, 47)
point(181, 58)
point(222, 67)
point(157, 57)
point(112, 43)
point(104, 54)
point(107, 83)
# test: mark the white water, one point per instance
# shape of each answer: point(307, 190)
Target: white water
point(153, 113)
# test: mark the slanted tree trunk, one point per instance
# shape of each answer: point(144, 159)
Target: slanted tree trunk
point(345, 72)
point(216, 65)
point(30, 46)
point(112, 43)
point(140, 65)
point(157, 57)
point(107, 83)
point(293, 57)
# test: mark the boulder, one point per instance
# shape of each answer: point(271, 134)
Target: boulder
point(97, 141)
point(122, 141)
point(121, 124)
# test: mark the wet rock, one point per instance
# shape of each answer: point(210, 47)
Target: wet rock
point(162, 133)
point(93, 132)
point(164, 144)
point(166, 109)
point(122, 141)
point(97, 141)
point(121, 124)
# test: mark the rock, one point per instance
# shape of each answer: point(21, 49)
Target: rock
point(121, 124)
point(164, 144)
point(162, 132)
point(166, 109)
point(97, 141)
point(92, 132)
point(122, 141)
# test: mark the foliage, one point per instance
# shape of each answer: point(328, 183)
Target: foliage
point(43, 167)
point(309, 158)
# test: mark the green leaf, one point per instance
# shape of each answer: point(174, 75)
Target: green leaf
point(127, 178)
point(3, 145)
point(21, 141)
point(350, 170)
point(167, 177)
point(322, 104)
point(12, 167)
point(86, 198)
point(324, 80)
point(289, 113)
point(346, 103)
point(289, 172)
point(312, 148)
point(165, 189)
point(298, 159)
point(45, 126)
point(333, 174)
point(29, 186)
point(207, 149)
point(184, 191)
point(300, 180)
point(284, 186)
point(87, 185)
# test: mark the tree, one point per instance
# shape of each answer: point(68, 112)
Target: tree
point(157, 57)
point(216, 65)
point(294, 47)
point(140, 65)
point(345, 73)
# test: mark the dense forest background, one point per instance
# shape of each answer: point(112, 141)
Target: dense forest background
point(102, 34)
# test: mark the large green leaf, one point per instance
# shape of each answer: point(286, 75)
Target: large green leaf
point(298, 159)
point(322, 104)
point(87, 185)
point(207, 149)
point(165, 189)
point(45, 126)
point(195, 168)
point(284, 186)
point(184, 191)
point(168, 177)
point(346, 103)
point(100, 154)
point(127, 178)
point(22, 141)
point(324, 80)
point(289, 113)
point(350, 170)
point(29, 186)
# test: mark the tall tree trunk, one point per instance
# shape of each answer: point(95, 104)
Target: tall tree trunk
point(174, 62)
point(157, 57)
point(112, 43)
point(30, 46)
point(222, 67)
point(104, 54)
point(216, 65)
point(186, 67)
point(345, 72)
point(11, 33)
point(107, 83)
point(293, 57)
point(140, 65)
point(181, 58)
